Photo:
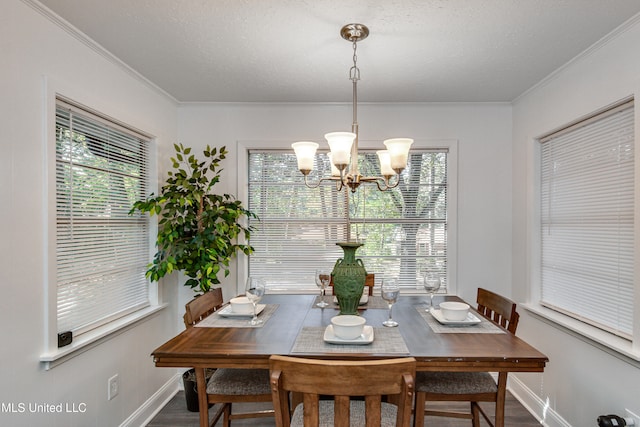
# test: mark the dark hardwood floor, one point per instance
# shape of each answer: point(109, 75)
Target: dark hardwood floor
point(175, 414)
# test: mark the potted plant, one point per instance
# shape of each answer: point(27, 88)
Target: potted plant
point(199, 232)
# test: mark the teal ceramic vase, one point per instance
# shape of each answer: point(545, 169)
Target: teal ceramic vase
point(349, 276)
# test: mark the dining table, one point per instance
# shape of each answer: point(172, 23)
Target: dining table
point(294, 326)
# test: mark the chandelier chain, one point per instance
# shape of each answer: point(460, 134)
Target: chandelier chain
point(354, 72)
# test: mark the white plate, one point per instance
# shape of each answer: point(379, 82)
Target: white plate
point(227, 312)
point(363, 299)
point(365, 338)
point(471, 319)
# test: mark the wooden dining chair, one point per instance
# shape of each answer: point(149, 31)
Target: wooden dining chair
point(473, 387)
point(227, 386)
point(369, 282)
point(369, 380)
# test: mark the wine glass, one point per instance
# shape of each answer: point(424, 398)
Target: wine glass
point(390, 291)
point(254, 291)
point(323, 277)
point(432, 283)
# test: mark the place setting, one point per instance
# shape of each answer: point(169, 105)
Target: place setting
point(451, 316)
point(242, 311)
point(348, 333)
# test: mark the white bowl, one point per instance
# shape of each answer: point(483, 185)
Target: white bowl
point(241, 305)
point(452, 310)
point(348, 326)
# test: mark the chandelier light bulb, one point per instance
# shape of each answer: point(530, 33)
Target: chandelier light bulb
point(334, 170)
point(385, 163)
point(305, 153)
point(340, 144)
point(398, 152)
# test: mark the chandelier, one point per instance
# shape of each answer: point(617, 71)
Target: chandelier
point(344, 145)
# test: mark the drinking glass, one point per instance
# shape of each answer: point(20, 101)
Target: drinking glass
point(390, 291)
point(323, 278)
point(432, 283)
point(254, 291)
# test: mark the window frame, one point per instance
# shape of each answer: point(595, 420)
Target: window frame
point(627, 350)
point(52, 355)
point(451, 145)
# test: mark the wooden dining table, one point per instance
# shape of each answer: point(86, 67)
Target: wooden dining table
point(296, 315)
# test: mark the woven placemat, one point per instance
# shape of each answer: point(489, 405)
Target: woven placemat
point(385, 341)
point(374, 302)
point(215, 320)
point(484, 327)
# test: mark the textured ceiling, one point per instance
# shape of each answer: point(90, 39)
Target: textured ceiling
point(291, 50)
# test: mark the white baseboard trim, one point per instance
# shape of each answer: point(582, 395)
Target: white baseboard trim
point(535, 405)
point(145, 413)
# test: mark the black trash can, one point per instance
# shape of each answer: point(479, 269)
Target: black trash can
point(191, 388)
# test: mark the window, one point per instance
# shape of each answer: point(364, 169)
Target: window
point(587, 217)
point(101, 251)
point(405, 230)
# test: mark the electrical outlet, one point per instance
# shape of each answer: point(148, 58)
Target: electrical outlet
point(634, 417)
point(112, 387)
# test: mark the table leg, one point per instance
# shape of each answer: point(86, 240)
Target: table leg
point(202, 397)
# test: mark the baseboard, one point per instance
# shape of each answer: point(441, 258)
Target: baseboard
point(535, 405)
point(145, 413)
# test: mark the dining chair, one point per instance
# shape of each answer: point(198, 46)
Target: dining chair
point(369, 282)
point(473, 387)
point(341, 379)
point(229, 385)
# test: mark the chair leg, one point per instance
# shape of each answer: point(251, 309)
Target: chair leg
point(226, 420)
point(418, 417)
point(219, 413)
point(500, 399)
point(203, 404)
point(475, 414)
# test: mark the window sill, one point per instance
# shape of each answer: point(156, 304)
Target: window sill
point(605, 341)
point(93, 338)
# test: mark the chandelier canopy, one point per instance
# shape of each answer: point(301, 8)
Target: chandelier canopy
point(344, 145)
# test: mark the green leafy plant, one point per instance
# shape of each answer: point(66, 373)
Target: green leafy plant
point(198, 231)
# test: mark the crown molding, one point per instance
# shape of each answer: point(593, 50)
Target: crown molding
point(617, 32)
point(95, 46)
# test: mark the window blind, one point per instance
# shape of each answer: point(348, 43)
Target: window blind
point(587, 216)
point(404, 229)
point(101, 251)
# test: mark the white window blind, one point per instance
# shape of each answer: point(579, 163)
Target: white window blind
point(101, 251)
point(404, 229)
point(587, 215)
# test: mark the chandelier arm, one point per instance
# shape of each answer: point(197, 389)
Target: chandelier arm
point(388, 180)
point(384, 180)
point(317, 184)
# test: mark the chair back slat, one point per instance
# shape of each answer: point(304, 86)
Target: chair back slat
point(498, 309)
point(341, 414)
point(373, 410)
point(342, 379)
point(202, 306)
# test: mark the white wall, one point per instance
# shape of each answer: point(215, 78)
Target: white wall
point(581, 381)
point(483, 132)
point(32, 47)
